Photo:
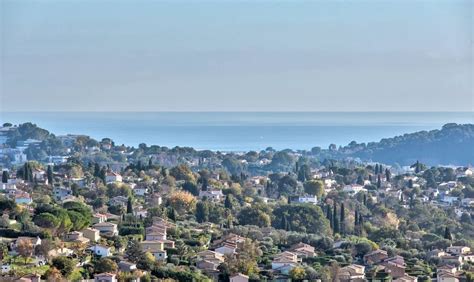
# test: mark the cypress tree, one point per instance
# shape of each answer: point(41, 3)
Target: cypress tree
point(50, 175)
point(379, 181)
point(356, 218)
point(329, 215)
point(447, 234)
point(129, 205)
point(370, 177)
point(5, 176)
point(150, 162)
point(335, 219)
point(387, 174)
point(376, 169)
point(96, 170)
point(343, 223)
point(365, 200)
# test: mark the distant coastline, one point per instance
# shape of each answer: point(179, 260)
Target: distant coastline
point(239, 131)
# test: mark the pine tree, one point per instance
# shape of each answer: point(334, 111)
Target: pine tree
point(50, 175)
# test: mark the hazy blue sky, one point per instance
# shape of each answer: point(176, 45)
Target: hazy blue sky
point(235, 55)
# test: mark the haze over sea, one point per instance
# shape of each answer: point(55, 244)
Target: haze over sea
point(238, 131)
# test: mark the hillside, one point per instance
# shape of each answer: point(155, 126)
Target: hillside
point(452, 144)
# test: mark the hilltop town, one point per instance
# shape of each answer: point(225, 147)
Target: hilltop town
point(78, 209)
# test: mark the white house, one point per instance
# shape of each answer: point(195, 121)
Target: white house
point(227, 249)
point(101, 251)
point(213, 195)
point(112, 177)
point(354, 189)
point(307, 200)
point(61, 193)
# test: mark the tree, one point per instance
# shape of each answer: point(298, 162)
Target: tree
point(329, 215)
point(5, 176)
point(53, 275)
point(49, 173)
point(335, 219)
point(254, 215)
point(129, 206)
point(387, 174)
point(202, 212)
point(301, 218)
point(46, 220)
point(64, 264)
point(297, 273)
point(447, 234)
point(379, 181)
point(182, 201)
point(229, 202)
point(314, 187)
point(343, 220)
point(24, 248)
point(134, 251)
point(105, 265)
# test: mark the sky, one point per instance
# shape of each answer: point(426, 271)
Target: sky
point(82, 55)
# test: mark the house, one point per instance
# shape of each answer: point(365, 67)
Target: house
point(106, 228)
point(155, 233)
point(354, 189)
point(60, 193)
point(446, 276)
point(60, 252)
point(105, 277)
point(6, 268)
point(40, 175)
point(156, 248)
point(303, 250)
point(458, 250)
point(284, 262)
point(76, 236)
point(126, 266)
point(306, 200)
point(102, 251)
point(352, 273)
point(406, 278)
point(140, 190)
point(375, 257)
point(467, 202)
point(395, 266)
point(227, 249)
point(23, 198)
point(99, 218)
point(118, 201)
point(92, 234)
point(112, 177)
point(239, 277)
point(209, 260)
point(213, 195)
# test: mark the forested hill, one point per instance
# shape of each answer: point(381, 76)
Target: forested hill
point(452, 144)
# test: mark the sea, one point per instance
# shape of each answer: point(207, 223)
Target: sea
point(238, 131)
